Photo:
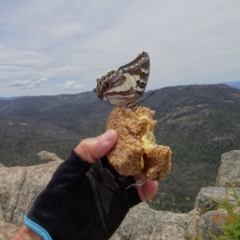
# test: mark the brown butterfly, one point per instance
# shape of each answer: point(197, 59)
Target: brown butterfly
point(125, 86)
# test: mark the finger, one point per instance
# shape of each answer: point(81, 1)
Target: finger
point(139, 176)
point(147, 190)
point(91, 149)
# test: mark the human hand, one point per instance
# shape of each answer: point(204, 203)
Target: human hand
point(86, 197)
point(91, 149)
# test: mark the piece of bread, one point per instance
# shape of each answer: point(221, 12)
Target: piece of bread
point(136, 150)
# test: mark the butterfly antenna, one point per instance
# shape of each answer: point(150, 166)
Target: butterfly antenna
point(147, 97)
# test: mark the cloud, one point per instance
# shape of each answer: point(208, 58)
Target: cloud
point(27, 84)
point(70, 85)
point(65, 30)
point(20, 84)
point(189, 42)
point(37, 83)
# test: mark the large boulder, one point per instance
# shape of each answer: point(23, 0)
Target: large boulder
point(229, 170)
point(143, 223)
point(18, 189)
point(211, 217)
point(48, 157)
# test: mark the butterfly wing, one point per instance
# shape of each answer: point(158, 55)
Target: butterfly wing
point(125, 86)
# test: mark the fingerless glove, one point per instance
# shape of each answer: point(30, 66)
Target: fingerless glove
point(82, 201)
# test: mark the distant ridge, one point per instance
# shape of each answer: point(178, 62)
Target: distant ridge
point(235, 84)
point(9, 98)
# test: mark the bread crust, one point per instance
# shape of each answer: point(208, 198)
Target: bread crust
point(130, 156)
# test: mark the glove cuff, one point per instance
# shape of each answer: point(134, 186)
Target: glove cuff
point(36, 228)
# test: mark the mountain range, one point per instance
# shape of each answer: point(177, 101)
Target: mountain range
point(198, 122)
point(235, 84)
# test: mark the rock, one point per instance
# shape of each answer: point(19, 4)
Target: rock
point(143, 223)
point(192, 219)
point(210, 222)
point(229, 170)
point(7, 230)
point(211, 217)
point(1, 165)
point(20, 186)
point(204, 200)
point(48, 157)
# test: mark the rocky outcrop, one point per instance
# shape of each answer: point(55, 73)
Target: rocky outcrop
point(229, 170)
point(211, 217)
point(48, 157)
point(20, 185)
point(143, 223)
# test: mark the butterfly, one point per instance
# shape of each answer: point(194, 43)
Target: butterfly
point(125, 86)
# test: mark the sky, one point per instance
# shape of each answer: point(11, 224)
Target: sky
point(52, 47)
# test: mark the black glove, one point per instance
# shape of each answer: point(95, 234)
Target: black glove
point(82, 201)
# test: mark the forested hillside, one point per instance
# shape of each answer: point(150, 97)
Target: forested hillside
point(198, 122)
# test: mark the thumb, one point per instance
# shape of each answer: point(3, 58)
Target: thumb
point(91, 149)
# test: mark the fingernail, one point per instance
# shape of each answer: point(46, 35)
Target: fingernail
point(107, 136)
